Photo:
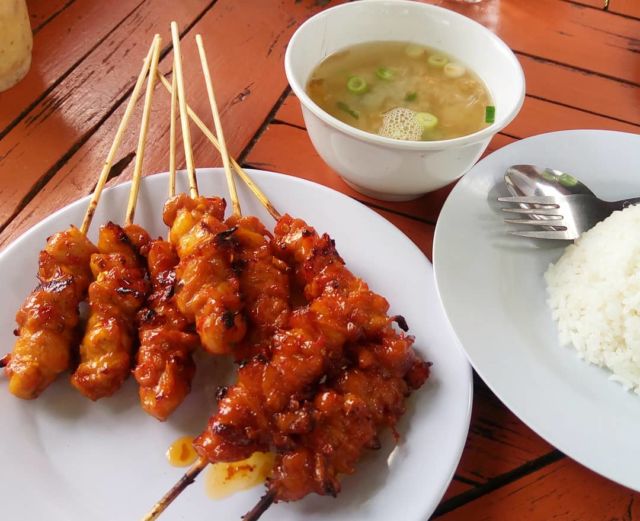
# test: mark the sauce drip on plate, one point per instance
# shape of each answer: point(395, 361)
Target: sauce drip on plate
point(181, 453)
point(225, 479)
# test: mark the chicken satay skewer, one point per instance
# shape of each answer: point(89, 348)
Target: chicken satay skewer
point(191, 474)
point(220, 143)
point(120, 284)
point(208, 291)
point(64, 277)
point(164, 365)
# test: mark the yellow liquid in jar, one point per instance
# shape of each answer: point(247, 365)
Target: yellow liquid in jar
point(181, 453)
point(225, 479)
point(16, 42)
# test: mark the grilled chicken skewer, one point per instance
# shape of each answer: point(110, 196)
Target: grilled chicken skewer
point(120, 286)
point(268, 407)
point(48, 319)
point(208, 291)
point(165, 367)
point(264, 280)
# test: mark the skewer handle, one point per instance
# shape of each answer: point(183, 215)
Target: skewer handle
point(218, 125)
point(186, 480)
point(238, 169)
point(182, 103)
point(144, 128)
point(260, 507)
point(104, 174)
point(172, 137)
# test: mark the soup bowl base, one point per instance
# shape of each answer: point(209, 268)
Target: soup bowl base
point(382, 196)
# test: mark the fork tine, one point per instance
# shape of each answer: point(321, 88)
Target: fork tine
point(546, 234)
point(547, 200)
point(556, 223)
point(553, 212)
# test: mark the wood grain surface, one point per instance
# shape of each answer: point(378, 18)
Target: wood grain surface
point(582, 69)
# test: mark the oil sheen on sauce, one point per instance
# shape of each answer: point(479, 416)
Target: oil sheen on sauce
point(224, 479)
point(181, 453)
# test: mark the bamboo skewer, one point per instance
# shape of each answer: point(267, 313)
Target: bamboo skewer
point(218, 125)
point(144, 128)
point(172, 138)
point(238, 169)
point(188, 477)
point(182, 103)
point(106, 169)
point(260, 507)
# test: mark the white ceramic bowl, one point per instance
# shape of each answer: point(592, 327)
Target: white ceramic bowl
point(382, 167)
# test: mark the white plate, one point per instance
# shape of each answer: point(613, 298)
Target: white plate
point(492, 288)
point(65, 458)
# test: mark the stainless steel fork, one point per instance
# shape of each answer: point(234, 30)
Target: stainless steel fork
point(569, 215)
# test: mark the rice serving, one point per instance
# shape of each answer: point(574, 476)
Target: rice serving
point(594, 295)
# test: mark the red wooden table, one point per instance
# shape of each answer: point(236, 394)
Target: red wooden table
point(582, 69)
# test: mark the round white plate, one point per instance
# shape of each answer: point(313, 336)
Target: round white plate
point(65, 458)
point(492, 288)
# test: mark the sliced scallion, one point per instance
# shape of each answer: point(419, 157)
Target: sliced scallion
point(426, 120)
point(567, 180)
point(384, 74)
point(411, 96)
point(356, 85)
point(454, 70)
point(437, 60)
point(346, 108)
point(414, 51)
point(489, 114)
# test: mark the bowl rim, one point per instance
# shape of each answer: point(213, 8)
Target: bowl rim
point(469, 139)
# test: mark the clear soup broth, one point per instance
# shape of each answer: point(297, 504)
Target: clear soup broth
point(402, 91)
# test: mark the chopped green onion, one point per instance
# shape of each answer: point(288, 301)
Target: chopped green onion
point(414, 51)
point(489, 114)
point(384, 74)
point(548, 175)
point(411, 96)
point(454, 70)
point(356, 85)
point(437, 60)
point(426, 120)
point(346, 108)
point(567, 180)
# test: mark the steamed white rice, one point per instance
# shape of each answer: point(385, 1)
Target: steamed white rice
point(594, 295)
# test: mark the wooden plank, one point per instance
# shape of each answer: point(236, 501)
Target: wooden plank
point(456, 488)
point(623, 7)
point(419, 232)
point(229, 43)
point(562, 491)
point(538, 116)
point(40, 11)
point(59, 46)
point(498, 441)
point(589, 39)
point(579, 89)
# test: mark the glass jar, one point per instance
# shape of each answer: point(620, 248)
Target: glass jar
point(16, 42)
